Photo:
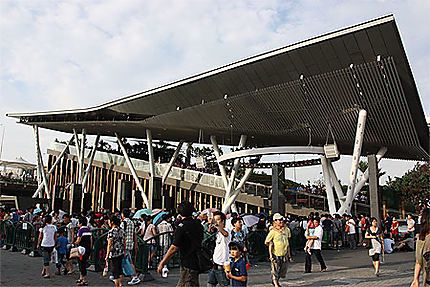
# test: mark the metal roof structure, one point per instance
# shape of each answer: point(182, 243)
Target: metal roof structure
point(289, 96)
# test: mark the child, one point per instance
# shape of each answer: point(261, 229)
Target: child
point(310, 229)
point(237, 271)
point(61, 251)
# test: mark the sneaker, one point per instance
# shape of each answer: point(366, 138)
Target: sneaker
point(135, 280)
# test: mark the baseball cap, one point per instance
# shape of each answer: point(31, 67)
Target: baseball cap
point(277, 216)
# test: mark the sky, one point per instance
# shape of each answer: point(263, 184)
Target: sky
point(75, 54)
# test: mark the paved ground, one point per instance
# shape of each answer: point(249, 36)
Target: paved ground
point(347, 268)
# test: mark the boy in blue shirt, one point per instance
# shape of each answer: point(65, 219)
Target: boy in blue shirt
point(237, 272)
point(61, 251)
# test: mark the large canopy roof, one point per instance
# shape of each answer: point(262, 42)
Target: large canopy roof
point(289, 96)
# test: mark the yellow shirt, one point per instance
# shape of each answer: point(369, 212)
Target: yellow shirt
point(280, 241)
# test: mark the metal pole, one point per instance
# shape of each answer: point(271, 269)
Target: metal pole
point(81, 165)
point(227, 204)
point(234, 170)
point(151, 167)
point(220, 166)
point(133, 171)
point(346, 207)
point(41, 167)
point(90, 163)
point(77, 146)
point(2, 140)
point(171, 162)
point(335, 182)
point(51, 170)
point(328, 187)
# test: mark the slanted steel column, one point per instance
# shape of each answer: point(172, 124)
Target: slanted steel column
point(373, 186)
point(90, 163)
point(220, 166)
point(328, 185)
point(81, 159)
point(346, 206)
point(171, 162)
point(365, 176)
point(133, 171)
point(227, 204)
point(335, 182)
point(77, 147)
point(40, 166)
point(51, 170)
point(234, 170)
point(277, 197)
point(151, 167)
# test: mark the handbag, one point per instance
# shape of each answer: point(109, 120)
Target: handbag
point(366, 243)
point(127, 270)
point(74, 253)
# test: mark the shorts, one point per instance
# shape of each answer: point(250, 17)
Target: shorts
point(46, 253)
point(375, 257)
point(116, 266)
point(188, 277)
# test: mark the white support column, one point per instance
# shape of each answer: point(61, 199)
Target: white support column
point(51, 170)
point(77, 146)
point(365, 176)
point(133, 171)
point(220, 166)
point(90, 163)
point(40, 165)
point(171, 162)
point(81, 160)
point(151, 167)
point(39, 170)
point(328, 185)
point(227, 204)
point(346, 207)
point(234, 170)
point(335, 182)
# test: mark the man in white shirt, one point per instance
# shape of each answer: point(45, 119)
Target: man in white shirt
point(411, 226)
point(221, 253)
point(316, 248)
point(350, 226)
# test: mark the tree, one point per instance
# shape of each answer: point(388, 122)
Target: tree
point(414, 185)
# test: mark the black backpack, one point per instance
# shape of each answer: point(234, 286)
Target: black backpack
point(204, 257)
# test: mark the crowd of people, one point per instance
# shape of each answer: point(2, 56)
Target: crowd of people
point(64, 237)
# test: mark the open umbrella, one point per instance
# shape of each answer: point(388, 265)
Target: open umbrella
point(139, 213)
point(37, 210)
point(250, 220)
point(157, 218)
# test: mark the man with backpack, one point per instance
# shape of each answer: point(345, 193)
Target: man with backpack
point(188, 238)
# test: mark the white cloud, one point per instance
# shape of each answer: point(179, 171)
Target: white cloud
point(70, 54)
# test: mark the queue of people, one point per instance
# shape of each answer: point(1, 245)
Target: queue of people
point(70, 237)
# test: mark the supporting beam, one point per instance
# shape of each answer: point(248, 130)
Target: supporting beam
point(328, 185)
point(51, 170)
point(171, 162)
point(90, 163)
point(81, 159)
point(40, 166)
point(335, 182)
point(373, 186)
point(220, 166)
point(151, 167)
point(365, 176)
point(77, 146)
point(133, 171)
point(346, 206)
point(234, 169)
point(227, 204)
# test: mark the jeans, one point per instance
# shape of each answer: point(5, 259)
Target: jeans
point(46, 253)
point(308, 261)
point(351, 240)
point(217, 277)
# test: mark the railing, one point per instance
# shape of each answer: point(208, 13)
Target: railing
point(7, 231)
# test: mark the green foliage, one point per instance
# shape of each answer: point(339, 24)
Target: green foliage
point(414, 185)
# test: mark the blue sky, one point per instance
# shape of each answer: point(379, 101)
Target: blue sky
point(71, 54)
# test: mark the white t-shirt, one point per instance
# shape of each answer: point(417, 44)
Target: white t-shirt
point(221, 252)
point(48, 239)
point(319, 233)
point(388, 245)
point(351, 225)
point(70, 226)
point(411, 225)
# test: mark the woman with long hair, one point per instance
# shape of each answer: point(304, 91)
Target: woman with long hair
point(422, 251)
point(374, 233)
